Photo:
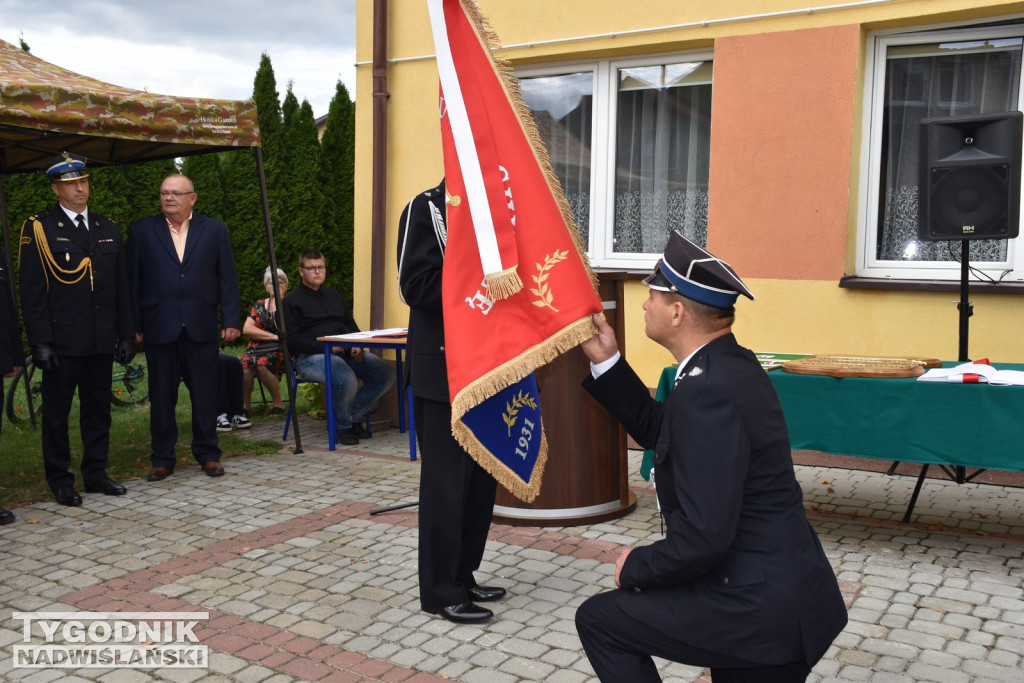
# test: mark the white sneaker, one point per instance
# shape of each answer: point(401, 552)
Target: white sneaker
point(222, 423)
point(240, 422)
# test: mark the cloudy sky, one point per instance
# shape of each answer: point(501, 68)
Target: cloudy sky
point(208, 48)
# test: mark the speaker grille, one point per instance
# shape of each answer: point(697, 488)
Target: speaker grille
point(969, 201)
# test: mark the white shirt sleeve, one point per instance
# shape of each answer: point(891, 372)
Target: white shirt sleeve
point(598, 369)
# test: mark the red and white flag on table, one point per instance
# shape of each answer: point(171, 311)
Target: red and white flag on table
point(518, 289)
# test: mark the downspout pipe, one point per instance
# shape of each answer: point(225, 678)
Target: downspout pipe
point(378, 201)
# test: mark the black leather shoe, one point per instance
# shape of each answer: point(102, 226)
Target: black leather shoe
point(361, 431)
point(464, 613)
point(213, 469)
point(68, 496)
point(6, 517)
point(159, 473)
point(348, 437)
point(486, 593)
point(106, 486)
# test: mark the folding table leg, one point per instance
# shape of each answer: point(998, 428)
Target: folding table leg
point(917, 490)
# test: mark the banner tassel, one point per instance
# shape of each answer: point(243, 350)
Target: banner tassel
point(503, 284)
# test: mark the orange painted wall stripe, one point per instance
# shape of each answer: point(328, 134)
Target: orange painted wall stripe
point(781, 140)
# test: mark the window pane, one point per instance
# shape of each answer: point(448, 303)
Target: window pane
point(562, 107)
point(939, 79)
point(662, 153)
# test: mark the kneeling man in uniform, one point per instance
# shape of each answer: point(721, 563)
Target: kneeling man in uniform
point(740, 582)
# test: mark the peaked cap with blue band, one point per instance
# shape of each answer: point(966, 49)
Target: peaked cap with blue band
point(689, 270)
point(66, 166)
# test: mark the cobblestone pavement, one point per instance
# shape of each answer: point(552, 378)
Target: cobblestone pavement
point(302, 583)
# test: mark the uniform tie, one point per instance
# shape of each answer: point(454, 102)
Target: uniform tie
point(80, 220)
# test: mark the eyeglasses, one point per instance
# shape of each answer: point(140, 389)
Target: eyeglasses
point(175, 193)
point(315, 269)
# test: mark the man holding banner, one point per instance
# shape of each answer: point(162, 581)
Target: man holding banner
point(516, 289)
point(456, 494)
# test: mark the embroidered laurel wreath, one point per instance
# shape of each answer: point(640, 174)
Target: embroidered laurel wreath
point(512, 409)
point(542, 290)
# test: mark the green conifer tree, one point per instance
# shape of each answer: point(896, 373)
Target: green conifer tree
point(129, 192)
point(271, 130)
point(244, 211)
point(305, 229)
point(337, 186)
point(204, 171)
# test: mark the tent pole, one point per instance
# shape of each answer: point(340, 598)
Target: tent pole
point(277, 297)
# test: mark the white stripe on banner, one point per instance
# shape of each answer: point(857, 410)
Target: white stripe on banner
point(462, 134)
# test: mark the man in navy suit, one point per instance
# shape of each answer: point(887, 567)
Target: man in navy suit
point(740, 582)
point(185, 296)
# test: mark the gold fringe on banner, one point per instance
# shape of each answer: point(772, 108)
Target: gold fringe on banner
point(503, 284)
point(504, 376)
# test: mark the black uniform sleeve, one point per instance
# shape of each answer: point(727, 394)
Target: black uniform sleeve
point(35, 306)
point(420, 254)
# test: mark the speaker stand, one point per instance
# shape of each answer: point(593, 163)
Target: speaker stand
point(965, 307)
point(956, 473)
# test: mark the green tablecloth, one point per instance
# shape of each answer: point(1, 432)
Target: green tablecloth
point(969, 425)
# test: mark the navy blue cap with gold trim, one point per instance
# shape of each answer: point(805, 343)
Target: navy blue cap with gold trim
point(691, 271)
point(66, 166)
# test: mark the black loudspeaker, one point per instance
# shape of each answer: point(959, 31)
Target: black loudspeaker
point(970, 177)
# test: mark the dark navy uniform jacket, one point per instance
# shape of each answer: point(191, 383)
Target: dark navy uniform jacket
point(740, 570)
point(11, 353)
point(422, 237)
point(79, 313)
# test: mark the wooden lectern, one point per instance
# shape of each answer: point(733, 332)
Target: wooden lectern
point(586, 478)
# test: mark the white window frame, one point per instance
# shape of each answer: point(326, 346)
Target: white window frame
point(602, 170)
point(867, 264)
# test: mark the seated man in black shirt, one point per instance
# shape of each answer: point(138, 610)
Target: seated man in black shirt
point(312, 310)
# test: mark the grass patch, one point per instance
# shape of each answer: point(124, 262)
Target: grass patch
point(22, 480)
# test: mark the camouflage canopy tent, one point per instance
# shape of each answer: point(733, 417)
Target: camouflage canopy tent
point(45, 109)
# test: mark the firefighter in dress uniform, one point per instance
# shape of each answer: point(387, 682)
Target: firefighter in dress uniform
point(77, 311)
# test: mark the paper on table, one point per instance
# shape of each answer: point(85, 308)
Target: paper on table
point(390, 332)
point(974, 373)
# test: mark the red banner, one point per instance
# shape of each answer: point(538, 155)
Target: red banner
point(518, 290)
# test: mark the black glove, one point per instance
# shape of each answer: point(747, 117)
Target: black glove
point(125, 351)
point(45, 357)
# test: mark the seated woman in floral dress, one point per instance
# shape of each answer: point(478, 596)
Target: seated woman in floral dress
point(264, 357)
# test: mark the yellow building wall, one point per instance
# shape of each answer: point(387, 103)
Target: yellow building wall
point(799, 63)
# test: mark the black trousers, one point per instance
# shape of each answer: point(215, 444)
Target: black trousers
point(456, 504)
point(90, 376)
point(229, 385)
point(195, 363)
point(620, 648)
